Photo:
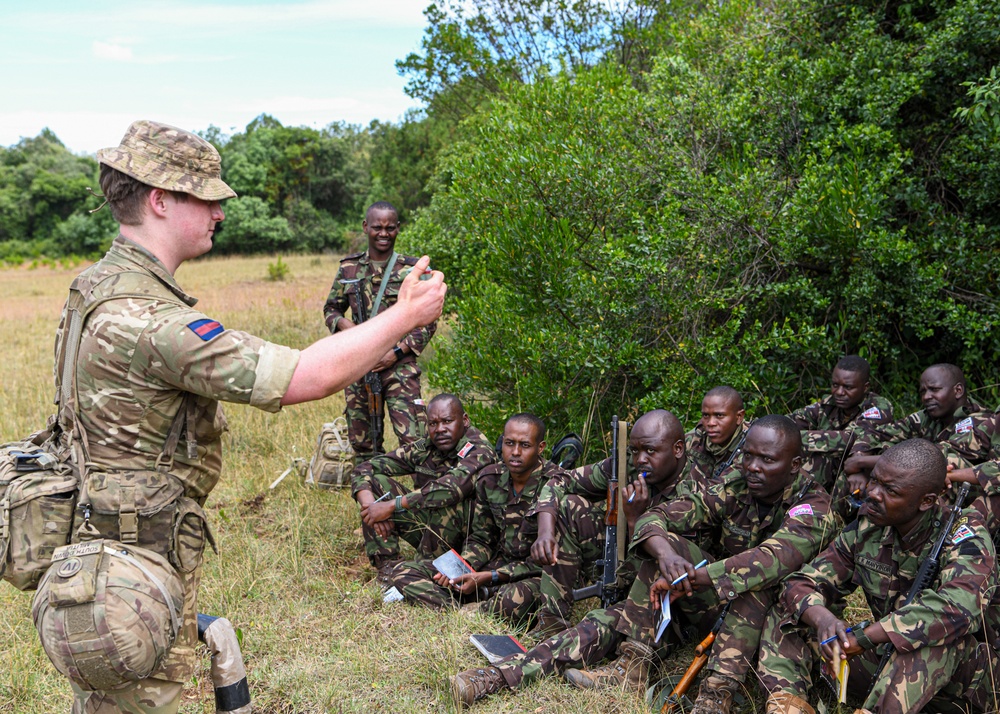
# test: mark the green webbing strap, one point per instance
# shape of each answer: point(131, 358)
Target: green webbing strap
point(385, 282)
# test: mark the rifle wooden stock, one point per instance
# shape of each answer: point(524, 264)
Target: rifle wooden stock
point(672, 703)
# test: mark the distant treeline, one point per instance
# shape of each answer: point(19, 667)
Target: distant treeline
point(300, 189)
point(636, 200)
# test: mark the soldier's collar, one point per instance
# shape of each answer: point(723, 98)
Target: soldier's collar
point(135, 253)
point(924, 531)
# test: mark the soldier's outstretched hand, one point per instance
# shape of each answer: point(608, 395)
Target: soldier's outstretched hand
point(422, 293)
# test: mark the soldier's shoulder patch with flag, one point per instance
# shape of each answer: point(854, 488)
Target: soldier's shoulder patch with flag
point(961, 533)
point(871, 413)
point(464, 451)
point(964, 426)
point(206, 329)
point(803, 509)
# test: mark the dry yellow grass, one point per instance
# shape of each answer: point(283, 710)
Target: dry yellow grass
point(291, 574)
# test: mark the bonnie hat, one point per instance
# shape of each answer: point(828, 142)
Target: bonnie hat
point(166, 157)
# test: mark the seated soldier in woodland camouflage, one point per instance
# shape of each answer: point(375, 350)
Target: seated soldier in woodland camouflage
point(945, 639)
point(433, 515)
point(767, 521)
point(961, 427)
point(571, 512)
point(827, 424)
point(715, 442)
point(499, 541)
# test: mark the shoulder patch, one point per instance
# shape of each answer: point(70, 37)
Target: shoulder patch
point(964, 426)
point(803, 509)
point(464, 451)
point(963, 532)
point(871, 413)
point(206, 329)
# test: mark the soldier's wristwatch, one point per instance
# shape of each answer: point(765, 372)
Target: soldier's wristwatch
point(398, 352)
point(863, 640)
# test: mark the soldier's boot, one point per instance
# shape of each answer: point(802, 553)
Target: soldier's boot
point(546, 626)
point(785, 703)
point(715, 696)
point(386, 569)
point(474, 684)
point(629, 671)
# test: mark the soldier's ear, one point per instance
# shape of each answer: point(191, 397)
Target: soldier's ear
point(928, 501)
point(679, 449)
point(796, 464)
point(959, 390)
point(740, 416)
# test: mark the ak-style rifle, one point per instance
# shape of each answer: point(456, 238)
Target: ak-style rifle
point(607, 587)
point(928, 571)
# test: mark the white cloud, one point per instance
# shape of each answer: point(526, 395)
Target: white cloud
point(110, 51)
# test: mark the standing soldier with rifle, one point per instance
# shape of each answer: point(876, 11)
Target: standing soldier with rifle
point(928, 574)
point(395, 379)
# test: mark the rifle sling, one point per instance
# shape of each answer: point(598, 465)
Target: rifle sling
point(622, 437)
point(385, 282)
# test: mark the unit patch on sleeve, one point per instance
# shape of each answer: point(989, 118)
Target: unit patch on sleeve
point(206, 329)
point(961, 533)
point(464, 451)
point(803, 509)
point(871, 413)
point(964, 426)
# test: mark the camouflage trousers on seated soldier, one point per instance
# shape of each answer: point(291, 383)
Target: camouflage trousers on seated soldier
point(735, 648)
point(431, 531)
point(160, 693)
point(592, 640)
point(516, 601)
point(952, 678)
point(580, 533)
point(401, 392)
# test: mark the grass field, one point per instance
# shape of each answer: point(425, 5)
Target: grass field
point(291, 573)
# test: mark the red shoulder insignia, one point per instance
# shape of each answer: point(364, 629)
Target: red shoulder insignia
point(464, 451)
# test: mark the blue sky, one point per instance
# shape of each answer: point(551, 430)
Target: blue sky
point(88, 69)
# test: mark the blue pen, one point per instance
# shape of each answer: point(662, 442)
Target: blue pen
point(642, 474)
point(702, 564)
point(860, 626)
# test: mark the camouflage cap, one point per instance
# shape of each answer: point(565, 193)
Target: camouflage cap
point(166, 157)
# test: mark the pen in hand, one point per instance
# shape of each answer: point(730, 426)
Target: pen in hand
point(860, 626)
point(642, 475)
point(702, 564)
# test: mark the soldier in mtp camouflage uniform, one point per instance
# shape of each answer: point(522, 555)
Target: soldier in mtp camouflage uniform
point(499, 541)
point(398, 367)
point(767, 521)
point(714, 443)
point(146, 354)
point(571, 512)
point(827, 425)
point(945, 639)
point(433, 515)
point(948, 419)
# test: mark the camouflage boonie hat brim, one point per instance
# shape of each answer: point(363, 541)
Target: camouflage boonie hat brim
point(166, 157)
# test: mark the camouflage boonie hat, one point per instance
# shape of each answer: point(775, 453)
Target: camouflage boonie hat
point(166, 157)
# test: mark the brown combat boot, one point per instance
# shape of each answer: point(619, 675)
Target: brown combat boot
point(473, 684)
point(785, 703)
point(715, 696)
point(385, 573)
point(629, 671)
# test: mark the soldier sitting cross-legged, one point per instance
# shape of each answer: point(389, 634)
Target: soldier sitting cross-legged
point(499, 541)
point(433, 516)
point(945, 639)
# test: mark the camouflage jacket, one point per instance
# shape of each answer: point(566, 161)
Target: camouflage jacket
point(590, 481)
point(502, 533)
point(360, 266)
point(826, 427)
point(977, 443)
point(143, 349)
point(885, 566)
point(439, 480)
point(702, 464)
point(758, 546)
point(874, 439)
